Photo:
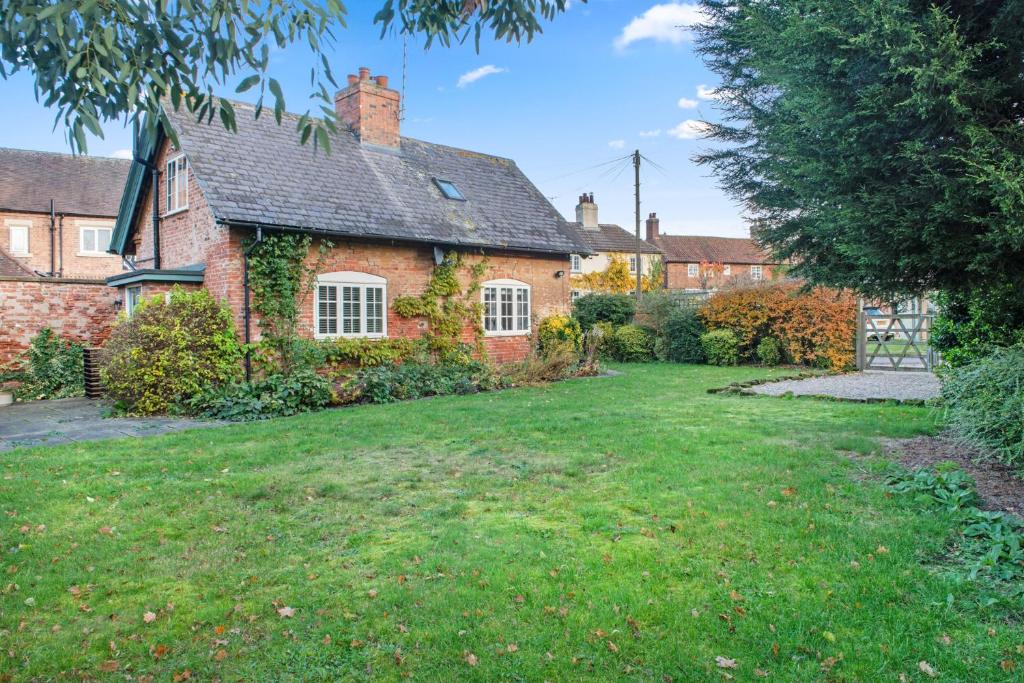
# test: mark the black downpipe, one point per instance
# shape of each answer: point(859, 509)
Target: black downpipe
point(156, 219)
point(60, 244)
point(53, 241)
point(247, 311)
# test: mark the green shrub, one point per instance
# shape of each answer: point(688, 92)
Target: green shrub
point(953, 489)
point(721, 347)
point(387, 383)
point(617, 309)
point(632, 344)
point(557, 332)
point(984, 403)
point(170, 350)
point(276, 395)
point(603, 334)
point(52, 367)
point(769, 351)
point(970, 325)
point(682, 334)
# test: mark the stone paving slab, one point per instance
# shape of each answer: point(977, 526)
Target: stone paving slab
point(867, 385)
point(39, 423)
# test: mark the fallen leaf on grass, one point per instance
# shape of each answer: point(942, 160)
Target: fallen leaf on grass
point(789, 491)
point(1008, 665)
point(761, 672)
point(470, 658)
point(725, 663)
point(286, 612)
point(106, 531)
point(927, 669)
point(220, 655)
point(612, 647)
point(148, 617)
point(109, 666)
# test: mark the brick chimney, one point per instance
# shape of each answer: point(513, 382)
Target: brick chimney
point(370, 109)
point(586, 212)
point(653, 232)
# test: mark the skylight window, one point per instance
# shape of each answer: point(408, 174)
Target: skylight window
point(449, 190)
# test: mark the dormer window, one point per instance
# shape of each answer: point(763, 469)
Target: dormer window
point(449, 190)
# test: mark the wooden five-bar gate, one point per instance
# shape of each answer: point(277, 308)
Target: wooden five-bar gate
point(895, 341)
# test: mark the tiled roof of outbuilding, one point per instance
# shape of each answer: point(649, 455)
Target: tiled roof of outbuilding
point(78, 185)
point(613, 238)
point(697, 249)
point(9, 266)
point(262, 175)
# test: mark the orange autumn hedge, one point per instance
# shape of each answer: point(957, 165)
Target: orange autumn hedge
point(816, 327)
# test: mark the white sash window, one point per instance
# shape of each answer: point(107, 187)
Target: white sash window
point(350, 304)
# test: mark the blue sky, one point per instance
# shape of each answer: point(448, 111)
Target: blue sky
point(604, 79)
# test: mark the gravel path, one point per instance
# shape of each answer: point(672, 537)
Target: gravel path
point(900, 386)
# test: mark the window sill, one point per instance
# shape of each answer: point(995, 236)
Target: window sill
point(517, 333)
point(17, 255)
point(325, 337)
point(175, 212)
point(95, 254)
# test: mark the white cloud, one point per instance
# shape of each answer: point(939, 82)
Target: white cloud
point(476, 74)
point(666, 23)
point(122, 154)
point(650, 133)
point(690, 129)
point(687, 103)
point(706, 93)
point(617, 144)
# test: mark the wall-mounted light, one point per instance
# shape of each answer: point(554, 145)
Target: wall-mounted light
point(559, 273)
point(118, 303)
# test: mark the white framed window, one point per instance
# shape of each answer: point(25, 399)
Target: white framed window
point(575, 294)
point(727, 270)
point(632, 264)
point(18, 239)
point(506, 307)
point(692, 269)
point(177, 184)
point(756, 273)
point(94, 240)
point(350, 304)
point(575, 263)
point(132, 298)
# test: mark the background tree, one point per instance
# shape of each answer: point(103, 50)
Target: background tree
point(101, 60)
point(616, 278)
point(709, 272)
point(878, 144)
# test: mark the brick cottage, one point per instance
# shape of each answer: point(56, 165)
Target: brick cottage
point(57, 214)
point(391, 205)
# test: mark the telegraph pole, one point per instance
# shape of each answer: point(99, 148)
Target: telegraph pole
point(636, 186)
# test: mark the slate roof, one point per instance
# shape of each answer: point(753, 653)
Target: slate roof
point(79, 185)
point(611, 237)
point(261, 174)
point(9, 266)
point(696, 248)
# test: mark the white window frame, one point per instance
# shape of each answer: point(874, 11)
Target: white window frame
point(360, 282)
point(726, 270)
point(692, 270)
point(20, 226)
point(633, 264)
point(756, 272)
point(575, 294)
point(129, 303)
point(517, 289)
point(180, 180)
point(94, 227)
point(575, 263)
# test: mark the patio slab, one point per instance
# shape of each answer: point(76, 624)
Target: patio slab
point(39, 423)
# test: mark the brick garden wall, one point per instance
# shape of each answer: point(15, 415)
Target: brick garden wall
point(83, 310)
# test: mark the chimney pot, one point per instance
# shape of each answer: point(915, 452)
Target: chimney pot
point(353, 79)
point(382, 81)
point(586, 212)
point(364, 73)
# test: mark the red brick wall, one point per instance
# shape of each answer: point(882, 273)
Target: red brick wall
point(678, 277)
point(73, 263)
point(82, 310)
point(371, 110)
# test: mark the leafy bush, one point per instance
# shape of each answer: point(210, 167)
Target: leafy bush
point(952, 489)
point(769, 351)
point(617, 309)
point(985, 403)
point(721, 347)
point(971, 325)
point(557, 332)
point(170, 350)
point(276, 395)
point(389, 382)
point(632, 344)
point(682, 333)
point(52, 367)
point(815, 327)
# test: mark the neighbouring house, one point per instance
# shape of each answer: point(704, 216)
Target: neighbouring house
point(392, 206)
point(700, 263)
point(57, 214)
point(608, 241)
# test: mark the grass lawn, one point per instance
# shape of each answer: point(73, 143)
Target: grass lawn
point(630, 528)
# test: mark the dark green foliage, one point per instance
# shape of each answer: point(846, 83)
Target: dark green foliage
point(950, 488)
point(617, 309)
point(52, 367)
point(721, 347)
point(769, 351)
point(985, 403)
point(387, 383)
point(876, 144)
point(682, 333)
point(971, 325)
point(101, 61)
point(631, 344)
point(276, 395)
point(170, 350)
